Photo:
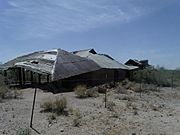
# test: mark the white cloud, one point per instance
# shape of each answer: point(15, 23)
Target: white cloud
point(44, 18)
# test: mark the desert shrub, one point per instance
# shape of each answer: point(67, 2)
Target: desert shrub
point(47, 105)
point(3, 88)
point(51, 118)
point(120, 90)
point(125, 82)
point(125, 97)
point(158, 76)
point(23, 131)
point(17, 94)
point(77, 118)
point(58, 105)
point(110, 105)
point(81, 91)
point(70, 110)
point(102, 89)
point(93, 92)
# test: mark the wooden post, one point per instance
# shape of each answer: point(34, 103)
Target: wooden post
point(140, 84)
point(23, 76)
point(32, 114)
point(47, 78)
point(31, 76)
point(5, 76)
point(20, 76)
point(39, 78)
point(105, 95)
point(5, 73)
point(105, 98)
point(172, 81)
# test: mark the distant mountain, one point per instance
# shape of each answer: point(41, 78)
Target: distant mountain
point(178, 68)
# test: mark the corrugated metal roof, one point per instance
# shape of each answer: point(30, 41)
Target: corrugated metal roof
point(62, 64)
point(103, 60)
point(68, 64)
point(45, 61)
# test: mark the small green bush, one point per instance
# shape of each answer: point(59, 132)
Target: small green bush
point(23, 131)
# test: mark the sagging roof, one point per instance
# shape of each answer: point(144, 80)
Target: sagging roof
point(40, 62)
point(62, 64)
point(68, 64)
point(141, 63)
point(58, 63)
point(103, 60)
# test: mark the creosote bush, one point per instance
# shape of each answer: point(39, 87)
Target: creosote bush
point(81, 91)
point(47, 105)
point(58, 105)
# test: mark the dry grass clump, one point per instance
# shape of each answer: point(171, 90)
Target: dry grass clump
point(47, 105)
point(120, 90)
point(77, 118)
point(3, 88)
point(58, 105)
point(81, 91)
point(112, 132)
point(6, 93)
point(93, 92)
point(51, 118)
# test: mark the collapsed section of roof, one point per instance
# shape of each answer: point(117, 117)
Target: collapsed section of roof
point(41, 62)
point(103, 60)
point(68, 64)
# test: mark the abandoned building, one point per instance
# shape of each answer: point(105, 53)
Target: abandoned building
point(64, 68)
point(142, 64)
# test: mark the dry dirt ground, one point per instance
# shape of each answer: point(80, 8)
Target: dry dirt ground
point(155, 113)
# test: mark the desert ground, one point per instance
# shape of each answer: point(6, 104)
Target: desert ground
point(154, 113)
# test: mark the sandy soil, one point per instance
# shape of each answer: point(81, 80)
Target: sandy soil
point(155, 113)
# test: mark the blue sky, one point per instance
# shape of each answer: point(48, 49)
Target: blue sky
point(141, 29)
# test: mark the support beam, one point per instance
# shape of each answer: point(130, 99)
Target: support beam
point(20, 76)
point(31, 75)
point(23, 76)
point(5, 76)
point(5, 73)
point(47, 78)
point(39, 78)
